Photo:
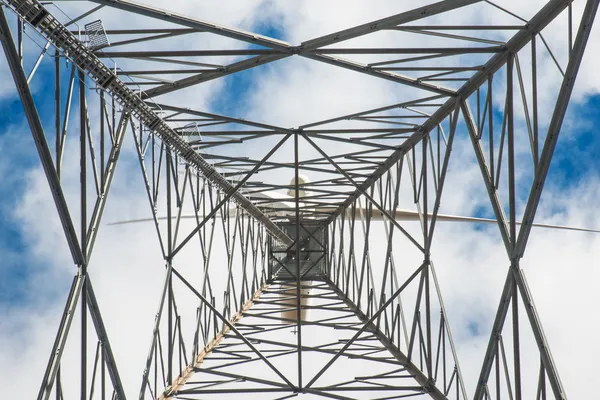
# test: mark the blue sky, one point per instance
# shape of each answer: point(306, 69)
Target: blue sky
point(237, 86)
point(20, 155)
point(573, 163)
point(573, 160)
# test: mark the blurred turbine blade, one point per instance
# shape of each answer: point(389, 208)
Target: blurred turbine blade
point(401, 215)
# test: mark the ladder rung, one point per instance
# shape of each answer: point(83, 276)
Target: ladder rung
point(36, 15)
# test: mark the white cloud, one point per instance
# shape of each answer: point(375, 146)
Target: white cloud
point(127, 269)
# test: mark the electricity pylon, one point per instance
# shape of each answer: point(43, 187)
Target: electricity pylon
point(305, 287)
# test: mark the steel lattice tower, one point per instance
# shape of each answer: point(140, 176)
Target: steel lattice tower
point(288, 294)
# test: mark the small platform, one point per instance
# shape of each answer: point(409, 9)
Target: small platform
point(313, 254)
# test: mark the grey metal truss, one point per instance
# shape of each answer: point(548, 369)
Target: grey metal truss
point(299, 298)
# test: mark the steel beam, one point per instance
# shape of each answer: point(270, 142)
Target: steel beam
point(109, 357)
point(360, 169)
point(517, 42)
point(560, 109)
point(386, 23)
point(305, 49)
point(108, 174)
point(35, 14)
point(39, 138)
point(61, 337)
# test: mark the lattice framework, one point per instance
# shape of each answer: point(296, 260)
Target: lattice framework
point(381, 157)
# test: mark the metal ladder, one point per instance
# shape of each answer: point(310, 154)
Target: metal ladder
point(34, 13)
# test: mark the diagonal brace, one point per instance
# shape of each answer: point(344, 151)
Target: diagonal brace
point(560, 109)
point(34, 13)
point(227, 196)
point(103, 338)
point(231, 326)
point(364, 193)
point(41, 144)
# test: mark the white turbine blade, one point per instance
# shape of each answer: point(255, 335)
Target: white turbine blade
point(282, 198)
point(406, 215)
point(377, 215)
point(136, 221)
point(258, 195)
point(562, 227)
point(457, 218)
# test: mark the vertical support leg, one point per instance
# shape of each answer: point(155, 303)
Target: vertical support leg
point(83, 266)
point(298, 270)
point(39, 138)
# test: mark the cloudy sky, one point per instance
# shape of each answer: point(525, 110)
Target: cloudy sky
point(471, 263)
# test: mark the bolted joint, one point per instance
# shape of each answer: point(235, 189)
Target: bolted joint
point(427, 259)
point(429, 386)
point(168, 392)
point(514, 263)
point(296, 49)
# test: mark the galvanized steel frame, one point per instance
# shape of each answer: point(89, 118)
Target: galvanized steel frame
point(367, 176)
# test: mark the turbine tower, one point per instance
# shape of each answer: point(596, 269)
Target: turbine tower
point(297, 261)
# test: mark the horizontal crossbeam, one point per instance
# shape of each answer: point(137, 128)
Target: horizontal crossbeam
point(36, 15)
